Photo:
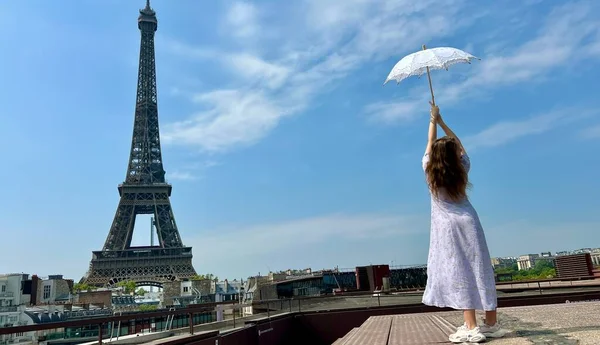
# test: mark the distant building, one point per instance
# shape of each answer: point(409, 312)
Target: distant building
point(289, 274)
point(574, 266)
point(277, 277)
point(595, 258)
point(26, 300)
point(183, 293)
point(54, 290)
point(503, 262)
point(526, 262)
point(582, 251)
point(251, 286)
point(228, 290)
point(548, 257)
point(100, 297)
point(579, 251)
point(12, 306)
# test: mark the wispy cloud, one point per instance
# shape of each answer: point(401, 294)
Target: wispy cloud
point(569, 36)
point(234, 118)
point(507, 131)
point(192, 172)
point(191, 52)
point(562, 42)
point(332, 40)
point(273, 239)
point(591, 132)
point(393, 112)
point(257, 70)
point(242, 20)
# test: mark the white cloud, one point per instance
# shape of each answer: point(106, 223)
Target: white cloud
point(506, 131)
point(392, 112)
point(336, 38)
point(370, 238)
point(194, 171)
point(235, 244)
point(191, 52)
point(242, 20)
point(570, 34)
point(233, 118)
point(181, 176)
point(558, 44)
point(591, 132)
point(257, 70)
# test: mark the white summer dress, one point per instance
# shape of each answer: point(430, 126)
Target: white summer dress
point(460, 274)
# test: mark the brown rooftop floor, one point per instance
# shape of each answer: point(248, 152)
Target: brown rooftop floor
point(564, 324)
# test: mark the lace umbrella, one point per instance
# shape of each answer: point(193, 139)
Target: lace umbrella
point(426, 59)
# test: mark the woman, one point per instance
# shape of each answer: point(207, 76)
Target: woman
point(459, 269)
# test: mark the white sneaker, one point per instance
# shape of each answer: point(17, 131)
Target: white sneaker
point(494, 331)
point(465, 335)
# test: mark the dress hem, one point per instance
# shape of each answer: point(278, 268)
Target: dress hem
point(441, 305)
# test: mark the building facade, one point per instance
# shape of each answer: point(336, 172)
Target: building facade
point(13, 302)
point(183, 293)
point(26, 300)
point(526, 262)
point(503, 262)
point(595, 258)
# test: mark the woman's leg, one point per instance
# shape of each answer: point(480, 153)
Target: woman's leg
point(470, 318)
point(491, 317)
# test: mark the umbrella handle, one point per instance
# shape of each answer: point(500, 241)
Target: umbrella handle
point(429, 78)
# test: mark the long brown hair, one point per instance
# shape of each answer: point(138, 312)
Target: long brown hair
point(445, 169)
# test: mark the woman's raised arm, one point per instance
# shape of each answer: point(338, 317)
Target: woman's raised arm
point(450, 133)
point(433, 122)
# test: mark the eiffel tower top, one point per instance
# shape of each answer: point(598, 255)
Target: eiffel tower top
point(145, 159)
point(147, 15)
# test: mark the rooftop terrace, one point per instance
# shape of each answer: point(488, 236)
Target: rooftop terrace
point(568, 323)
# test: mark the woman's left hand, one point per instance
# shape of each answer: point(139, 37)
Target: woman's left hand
point(434, 112)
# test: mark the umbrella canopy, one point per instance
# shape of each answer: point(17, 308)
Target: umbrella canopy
point(418, 63)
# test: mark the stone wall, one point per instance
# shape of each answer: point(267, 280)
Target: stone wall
point(204, 286)
point(266, 292)
point(170, 290)
point(62, 289)
point(102, 298)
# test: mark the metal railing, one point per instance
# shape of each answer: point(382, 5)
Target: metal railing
point(8, 309)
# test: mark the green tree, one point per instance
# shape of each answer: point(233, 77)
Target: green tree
point(147, 307)
point(543, 269)
point(140, 292)
point(127, 285)
point(208, 276)
point(83, 287)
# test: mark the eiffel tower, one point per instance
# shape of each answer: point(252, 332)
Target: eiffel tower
point(144, 191)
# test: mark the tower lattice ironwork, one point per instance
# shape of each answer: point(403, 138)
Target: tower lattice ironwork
point(145, 191)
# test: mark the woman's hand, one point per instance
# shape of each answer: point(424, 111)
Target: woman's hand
point(434, 113)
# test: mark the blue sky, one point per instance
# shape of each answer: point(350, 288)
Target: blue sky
point(283, 147)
